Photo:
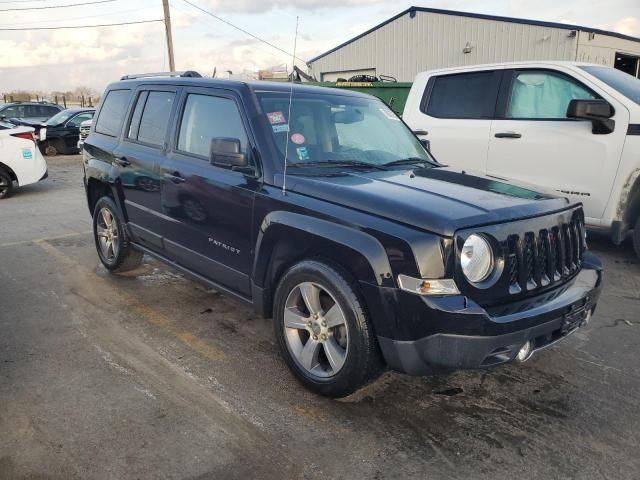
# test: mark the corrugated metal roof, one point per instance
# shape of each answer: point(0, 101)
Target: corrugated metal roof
point(413, 10)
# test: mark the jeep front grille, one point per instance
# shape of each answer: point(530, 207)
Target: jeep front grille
point(538, 259)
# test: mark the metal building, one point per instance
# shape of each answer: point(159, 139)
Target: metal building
point(419, 39)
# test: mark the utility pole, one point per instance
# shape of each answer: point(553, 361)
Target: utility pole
point(167, 27)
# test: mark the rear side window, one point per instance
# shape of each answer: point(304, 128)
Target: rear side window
point(151, 117)
point(113, 112)
point(206, 117)
point(464, 95)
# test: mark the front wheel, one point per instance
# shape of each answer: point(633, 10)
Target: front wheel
point(114, 249)
point(323, 331)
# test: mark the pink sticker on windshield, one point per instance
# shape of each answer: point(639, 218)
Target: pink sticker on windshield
point(297, 138)
point(275, 118)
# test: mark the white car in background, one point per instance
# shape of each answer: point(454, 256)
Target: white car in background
point(85, 128)
point(20, 159)
point(573, 128)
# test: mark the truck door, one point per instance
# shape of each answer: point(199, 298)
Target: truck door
point(533, 141)
point(138, 159)
point(208, 208)
point(456, 112)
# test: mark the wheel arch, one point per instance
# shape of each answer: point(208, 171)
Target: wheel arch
point(285, 238)
point(10, 171)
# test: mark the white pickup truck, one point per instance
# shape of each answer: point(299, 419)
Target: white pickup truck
point(565, 126)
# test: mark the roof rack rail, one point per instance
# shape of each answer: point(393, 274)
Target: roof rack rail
point(186, 73)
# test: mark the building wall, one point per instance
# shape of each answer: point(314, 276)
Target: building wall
point(602, 48)
point(408, 45)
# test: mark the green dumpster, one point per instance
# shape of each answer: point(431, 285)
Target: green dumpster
point(393, 94)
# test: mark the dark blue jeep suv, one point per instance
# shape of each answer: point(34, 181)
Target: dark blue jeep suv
point(323, 211)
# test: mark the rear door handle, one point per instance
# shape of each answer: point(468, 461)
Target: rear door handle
point(122, 161)
point(420, 132)
point(508, 135)
point(175, 177)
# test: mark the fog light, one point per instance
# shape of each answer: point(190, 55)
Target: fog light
point(525, 352)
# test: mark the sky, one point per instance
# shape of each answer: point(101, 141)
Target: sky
point(45, 60)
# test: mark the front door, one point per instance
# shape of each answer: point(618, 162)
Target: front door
point(138, 160)
point(533, 140)
point(209, 208)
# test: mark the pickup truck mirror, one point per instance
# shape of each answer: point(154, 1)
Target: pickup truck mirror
point(598, 111)
point(225, 152)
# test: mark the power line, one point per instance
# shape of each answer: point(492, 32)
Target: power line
point(55, 6)
point(119, 12)
point(246, 32)
point(80, 26)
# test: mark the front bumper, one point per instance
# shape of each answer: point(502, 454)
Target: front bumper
point(463, 335)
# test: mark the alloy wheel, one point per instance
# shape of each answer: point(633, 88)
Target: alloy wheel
point(316, 331)
point(107, 232)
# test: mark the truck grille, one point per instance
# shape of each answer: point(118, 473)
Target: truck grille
point(536, 255)
point(84, 132)
point(538, 259)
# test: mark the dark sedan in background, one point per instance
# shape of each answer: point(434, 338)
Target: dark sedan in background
point(60, 134)
point(29, 114)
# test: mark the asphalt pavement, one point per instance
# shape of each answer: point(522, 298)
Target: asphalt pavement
point(149, 375)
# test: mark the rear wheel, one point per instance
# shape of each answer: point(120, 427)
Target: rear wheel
point(114, 249)
point(323, 332)
point(6, 184)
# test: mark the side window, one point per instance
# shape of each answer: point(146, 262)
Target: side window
point(78, 119)
point(49, 111)
point(465, 95)
point(543, 95)
point(206, 117)
point(112, 112)
point(13, 112)
point(155, 117)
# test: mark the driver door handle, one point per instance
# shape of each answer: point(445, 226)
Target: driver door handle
point(175, 177)
point(508, 135)
point(122, 161)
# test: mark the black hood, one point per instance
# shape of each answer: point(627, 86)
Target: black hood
point(440, 200)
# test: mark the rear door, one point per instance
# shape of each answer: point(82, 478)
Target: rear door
point(456, 111)
point(208, 209)
point(71, 133)
point(138, 160)
point(533, 141)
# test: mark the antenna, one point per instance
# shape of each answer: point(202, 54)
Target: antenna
point(286, 147)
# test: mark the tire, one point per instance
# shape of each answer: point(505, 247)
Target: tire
point(636, 237)
point(114, 249)
point(50, 150)
point(329, 355)
point(6, 184)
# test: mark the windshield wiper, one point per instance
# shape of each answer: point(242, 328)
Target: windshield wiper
point(408, 161)
point(337, 163)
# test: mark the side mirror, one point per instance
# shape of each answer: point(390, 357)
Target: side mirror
point(225, 152)
point(598, 111)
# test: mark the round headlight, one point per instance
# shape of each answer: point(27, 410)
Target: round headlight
point(476, 259)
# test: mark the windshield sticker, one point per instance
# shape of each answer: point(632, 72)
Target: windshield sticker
point(280, 128)
point(275, 118)
point(303, 153)
point(27, 154)
point(389, 114)
point(297, 138)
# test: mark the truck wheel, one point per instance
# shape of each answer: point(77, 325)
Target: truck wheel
point(323, 331)
point(636, 237)
point(6, 184)
point(114, 249)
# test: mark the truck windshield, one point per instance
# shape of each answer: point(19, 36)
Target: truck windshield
point(327, 129)
point(623, 82)
point(59, 118)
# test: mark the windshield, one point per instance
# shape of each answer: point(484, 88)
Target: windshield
point(626, 84)
point(337, 129)
point(59, 118)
